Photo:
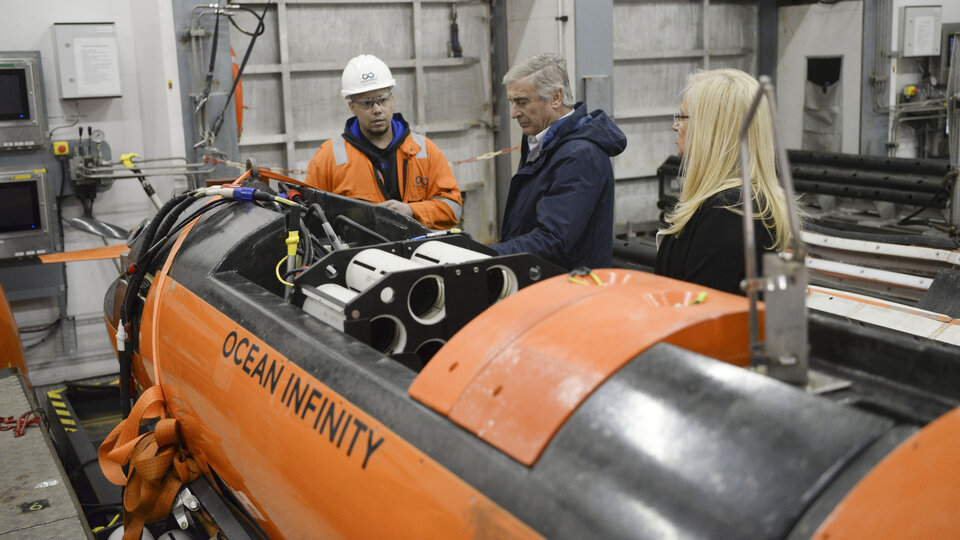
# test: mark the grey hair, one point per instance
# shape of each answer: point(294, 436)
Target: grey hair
point(547, 73)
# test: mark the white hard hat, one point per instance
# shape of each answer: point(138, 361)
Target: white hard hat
point(364, 73)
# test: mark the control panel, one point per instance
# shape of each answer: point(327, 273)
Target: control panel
point(26, 213)
point(23, 120)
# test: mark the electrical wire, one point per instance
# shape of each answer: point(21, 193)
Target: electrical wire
point(44, 339)
point(75, 122)
point(327, 229)
point(127, 333)
point(307, 243)
point(164, 226)
point(108, 525)
point(926, 205)
point(289, 273)
point(183, 223)
point(351, 223)
point(38, 327)
point(277, 271)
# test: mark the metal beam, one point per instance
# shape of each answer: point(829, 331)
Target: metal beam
point(499, 65)
point(873, 126)
point(285, 84)
point(337, 67)
point(594, 39)
point(419, 77)
point(692, 53)
point(767, 39)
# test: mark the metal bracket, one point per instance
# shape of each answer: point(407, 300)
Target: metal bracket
point(786, 348)
point(68, 335)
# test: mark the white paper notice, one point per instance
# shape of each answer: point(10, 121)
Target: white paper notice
point(923, 35)
point(98, 66)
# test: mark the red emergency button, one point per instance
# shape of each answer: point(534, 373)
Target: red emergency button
point(61, 148)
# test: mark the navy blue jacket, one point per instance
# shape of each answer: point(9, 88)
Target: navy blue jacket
point(560, 205)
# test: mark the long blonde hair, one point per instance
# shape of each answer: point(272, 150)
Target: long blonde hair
point(717, 102)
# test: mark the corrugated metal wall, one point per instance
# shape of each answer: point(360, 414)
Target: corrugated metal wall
point(657, 44)
point(291, 86)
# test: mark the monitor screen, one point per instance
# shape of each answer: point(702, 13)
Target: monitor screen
point(19, 206)
point(14, 102)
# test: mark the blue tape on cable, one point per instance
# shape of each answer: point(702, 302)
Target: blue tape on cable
point(243, 193)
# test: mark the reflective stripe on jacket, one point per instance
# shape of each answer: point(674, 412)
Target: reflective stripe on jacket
point(431, 189)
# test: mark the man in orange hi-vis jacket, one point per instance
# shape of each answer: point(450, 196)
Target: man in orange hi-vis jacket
point(378, 159)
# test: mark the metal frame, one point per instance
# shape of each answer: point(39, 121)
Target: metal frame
point(705, 54)
point(418, 63)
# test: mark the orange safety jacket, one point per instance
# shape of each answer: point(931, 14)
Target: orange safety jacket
point(431, 190)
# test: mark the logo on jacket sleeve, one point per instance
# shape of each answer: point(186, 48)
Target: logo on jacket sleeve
point(422, 181)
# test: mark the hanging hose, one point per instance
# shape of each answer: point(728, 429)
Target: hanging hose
point(243, 63)
point(213, 61)
point(126, 330)
point(165, 225)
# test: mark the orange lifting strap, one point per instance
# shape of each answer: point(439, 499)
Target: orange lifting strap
point(159, 463)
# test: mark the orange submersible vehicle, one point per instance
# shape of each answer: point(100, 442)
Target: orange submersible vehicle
point(325, 368)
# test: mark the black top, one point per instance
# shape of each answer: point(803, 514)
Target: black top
point(384, 159)
point(709, 249)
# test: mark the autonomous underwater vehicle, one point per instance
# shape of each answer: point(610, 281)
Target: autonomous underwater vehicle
point(395, 382)
point(415, 384)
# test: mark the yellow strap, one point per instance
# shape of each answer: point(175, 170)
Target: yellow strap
point(584, 282)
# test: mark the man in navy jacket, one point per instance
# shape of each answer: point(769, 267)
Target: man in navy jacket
point(560, 205)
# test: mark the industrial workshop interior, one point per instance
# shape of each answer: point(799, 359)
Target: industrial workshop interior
point(480, 269)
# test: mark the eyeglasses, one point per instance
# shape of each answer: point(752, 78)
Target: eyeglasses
point(680, 117)
point(368, 103)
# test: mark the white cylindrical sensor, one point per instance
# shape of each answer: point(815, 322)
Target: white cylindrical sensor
point(336, 294)
point(327, 302)
point(501, 281)
point(436, 252)
point(425, 301)
point(368, 266)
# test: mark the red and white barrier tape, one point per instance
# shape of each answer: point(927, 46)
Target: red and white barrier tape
point(488, 155)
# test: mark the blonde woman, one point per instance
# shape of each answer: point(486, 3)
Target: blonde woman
point(703, 242)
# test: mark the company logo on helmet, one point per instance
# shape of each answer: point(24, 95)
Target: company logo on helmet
point(368, 76)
